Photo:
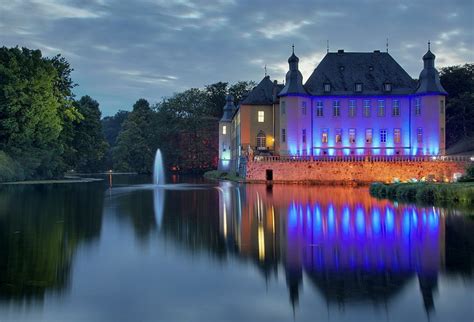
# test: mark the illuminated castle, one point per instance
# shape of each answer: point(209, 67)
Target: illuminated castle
point(352, 104)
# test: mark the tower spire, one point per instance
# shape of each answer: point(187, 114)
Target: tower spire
point(327, 46)
point(293, 48)
point(429, 45)
point(387, 45)
point(265, 70)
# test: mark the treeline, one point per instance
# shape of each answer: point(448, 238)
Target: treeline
point(458, 81)
point(184, 127)
point(44, 131)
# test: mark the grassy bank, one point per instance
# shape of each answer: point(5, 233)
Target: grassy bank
point(461, 193)
point(221, 175)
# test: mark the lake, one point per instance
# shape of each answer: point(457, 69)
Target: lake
point(195, 250)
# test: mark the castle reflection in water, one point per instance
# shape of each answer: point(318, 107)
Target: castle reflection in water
point(350, 246)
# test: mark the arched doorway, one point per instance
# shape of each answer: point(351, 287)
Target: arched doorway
point(261, 141)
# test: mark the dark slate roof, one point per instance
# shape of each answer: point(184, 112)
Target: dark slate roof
point(262, 94)
point(344, 69)
point(429, 82)
point(229, 109)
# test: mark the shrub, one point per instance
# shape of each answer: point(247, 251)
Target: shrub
point(9, 169)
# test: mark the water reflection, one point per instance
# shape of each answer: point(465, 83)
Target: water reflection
point(339, 243)
point(41, 227)
point(351, 247)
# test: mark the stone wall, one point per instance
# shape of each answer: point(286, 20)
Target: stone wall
point(357, 171)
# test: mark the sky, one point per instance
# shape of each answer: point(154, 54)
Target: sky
point(125, 50)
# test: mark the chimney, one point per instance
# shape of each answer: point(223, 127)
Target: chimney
point(340, 51)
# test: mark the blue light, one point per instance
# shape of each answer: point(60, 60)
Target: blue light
point(360, 221)
point(376, 222)
point(331, 219)
point(346, 220)
point(389, 220)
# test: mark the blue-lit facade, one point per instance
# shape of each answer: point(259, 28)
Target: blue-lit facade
point(362, 104)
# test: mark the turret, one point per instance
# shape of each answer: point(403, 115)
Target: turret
point(229, 108)
point(294, 78)
point(429, 78)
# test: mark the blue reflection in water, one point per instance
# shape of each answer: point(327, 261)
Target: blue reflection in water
point(376, 222)
point(360, 221)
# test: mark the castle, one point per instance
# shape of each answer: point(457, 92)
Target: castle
point(353, 104)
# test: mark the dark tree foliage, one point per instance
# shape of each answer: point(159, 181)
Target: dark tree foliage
point(89, 143)
point(240, 89)
point(135, 145)
point(111, 126)
point(459, 83)
point(35, 107)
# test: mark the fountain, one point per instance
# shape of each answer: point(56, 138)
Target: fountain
point(158, 170)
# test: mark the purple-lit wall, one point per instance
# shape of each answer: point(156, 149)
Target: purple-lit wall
point(431, 121)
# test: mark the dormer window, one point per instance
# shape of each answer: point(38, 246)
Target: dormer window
point(327, 87)
point(358, 87)
point(387, 87)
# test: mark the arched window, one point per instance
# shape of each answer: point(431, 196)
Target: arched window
point(261, 141)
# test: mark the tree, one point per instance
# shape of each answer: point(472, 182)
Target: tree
point(30, 111)
point(458, 81)
point(134, 150)
point(240, 89)
point(89, 142)
point(111, 126)
point(215, 99)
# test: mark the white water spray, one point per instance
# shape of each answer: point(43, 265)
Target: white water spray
point(158, 170)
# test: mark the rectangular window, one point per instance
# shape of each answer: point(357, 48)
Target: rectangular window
point(352, 108)
point(224, 129)
point(303, 108)
point(336, 108)
point(441, 107)
point(303, 136)
point(381, 108)
point(319, 109)
point(368, 135)
point(397, 136)
point(383, 136)
point(367, 108)
point(387, 87)
point(396, 108)
point(358, 87)
point(261, 116)
point(283, 108)
point(283, 135)
point(417, 106)
point(352, 136)
point(324, 136)
point(338, 136)
point(327, 87)
point(419, 135)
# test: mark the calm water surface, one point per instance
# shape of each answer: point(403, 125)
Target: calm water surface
point(201, 251)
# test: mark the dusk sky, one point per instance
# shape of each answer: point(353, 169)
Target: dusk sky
point(125, 50)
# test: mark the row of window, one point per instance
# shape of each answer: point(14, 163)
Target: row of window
point(358, 87)
point(352, 110)
point(397, 135)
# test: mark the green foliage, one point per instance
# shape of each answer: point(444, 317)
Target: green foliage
point(459, 83)
point(426, 193)
point(89, 142)
point(469, 175)
point(135, 145)
point(35, 108)
point(111, 126)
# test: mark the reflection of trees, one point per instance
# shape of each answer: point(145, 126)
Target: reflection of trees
point(40, 229)
point(460, 244)
point(137, 207)
point(190, 218)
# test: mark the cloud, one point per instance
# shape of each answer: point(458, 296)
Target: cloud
point(123, 50)
point(58, 10)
